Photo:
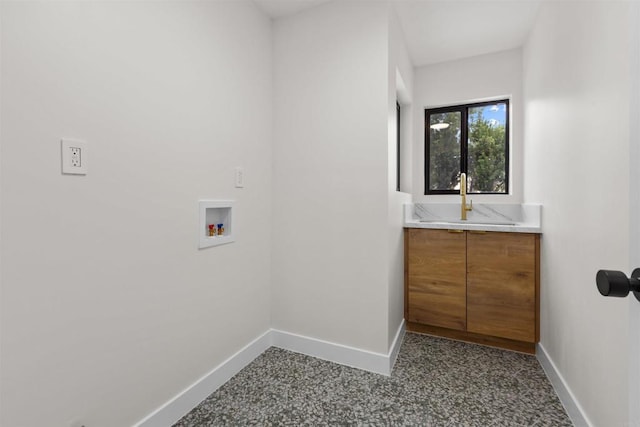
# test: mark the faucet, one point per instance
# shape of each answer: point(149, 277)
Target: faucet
point(464, 207)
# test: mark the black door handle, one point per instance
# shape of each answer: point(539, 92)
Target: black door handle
point(613, 283)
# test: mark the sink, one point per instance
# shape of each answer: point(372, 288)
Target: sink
point(469, 221)
point(507, 218)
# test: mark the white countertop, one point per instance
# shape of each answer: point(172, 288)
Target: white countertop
point(509, 218)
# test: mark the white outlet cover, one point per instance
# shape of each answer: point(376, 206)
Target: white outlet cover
point(239, 177)
point(74, 156)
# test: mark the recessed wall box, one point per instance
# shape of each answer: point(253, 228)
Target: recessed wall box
point(215, 212)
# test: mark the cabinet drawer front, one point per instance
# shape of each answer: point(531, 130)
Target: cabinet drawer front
point(436, 269)
point(501, 285)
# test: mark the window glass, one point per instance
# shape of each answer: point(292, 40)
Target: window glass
point(486, 149)
point(444, 155)
point(471, 139)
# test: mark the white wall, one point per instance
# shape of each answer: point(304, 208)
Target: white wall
point(634, 208)
point(400, 85)
point(576, 91)
point(497, 75)
point(330, 258)
point(108, 308)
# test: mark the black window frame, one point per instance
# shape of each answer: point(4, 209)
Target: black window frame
point(463, 109)
point(398, 116)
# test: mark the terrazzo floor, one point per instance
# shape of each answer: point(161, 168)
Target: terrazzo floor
point(435, 382)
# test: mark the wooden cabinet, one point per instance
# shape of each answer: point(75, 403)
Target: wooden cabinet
point(437, 289)
point(476, 286)
point(501, 285)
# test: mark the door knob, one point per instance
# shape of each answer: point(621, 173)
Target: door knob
point(613, 283)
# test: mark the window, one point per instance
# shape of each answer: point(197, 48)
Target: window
point(473, 139)
point(398, 146)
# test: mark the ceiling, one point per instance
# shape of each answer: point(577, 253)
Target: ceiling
point(438, 31)
point(445, 30)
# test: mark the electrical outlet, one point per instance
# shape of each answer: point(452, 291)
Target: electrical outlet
point(74, 157)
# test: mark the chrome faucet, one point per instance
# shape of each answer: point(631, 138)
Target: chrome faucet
point(464, 207)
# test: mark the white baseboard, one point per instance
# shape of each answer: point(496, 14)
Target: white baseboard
point(189, 398)
point(180, 405)
point(571, 405)
point(395, 346)
point(344, 355)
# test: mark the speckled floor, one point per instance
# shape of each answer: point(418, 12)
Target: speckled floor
point(435, 382)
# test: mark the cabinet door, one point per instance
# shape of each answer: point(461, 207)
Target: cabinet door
point(501, 285)
point(436, 270)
